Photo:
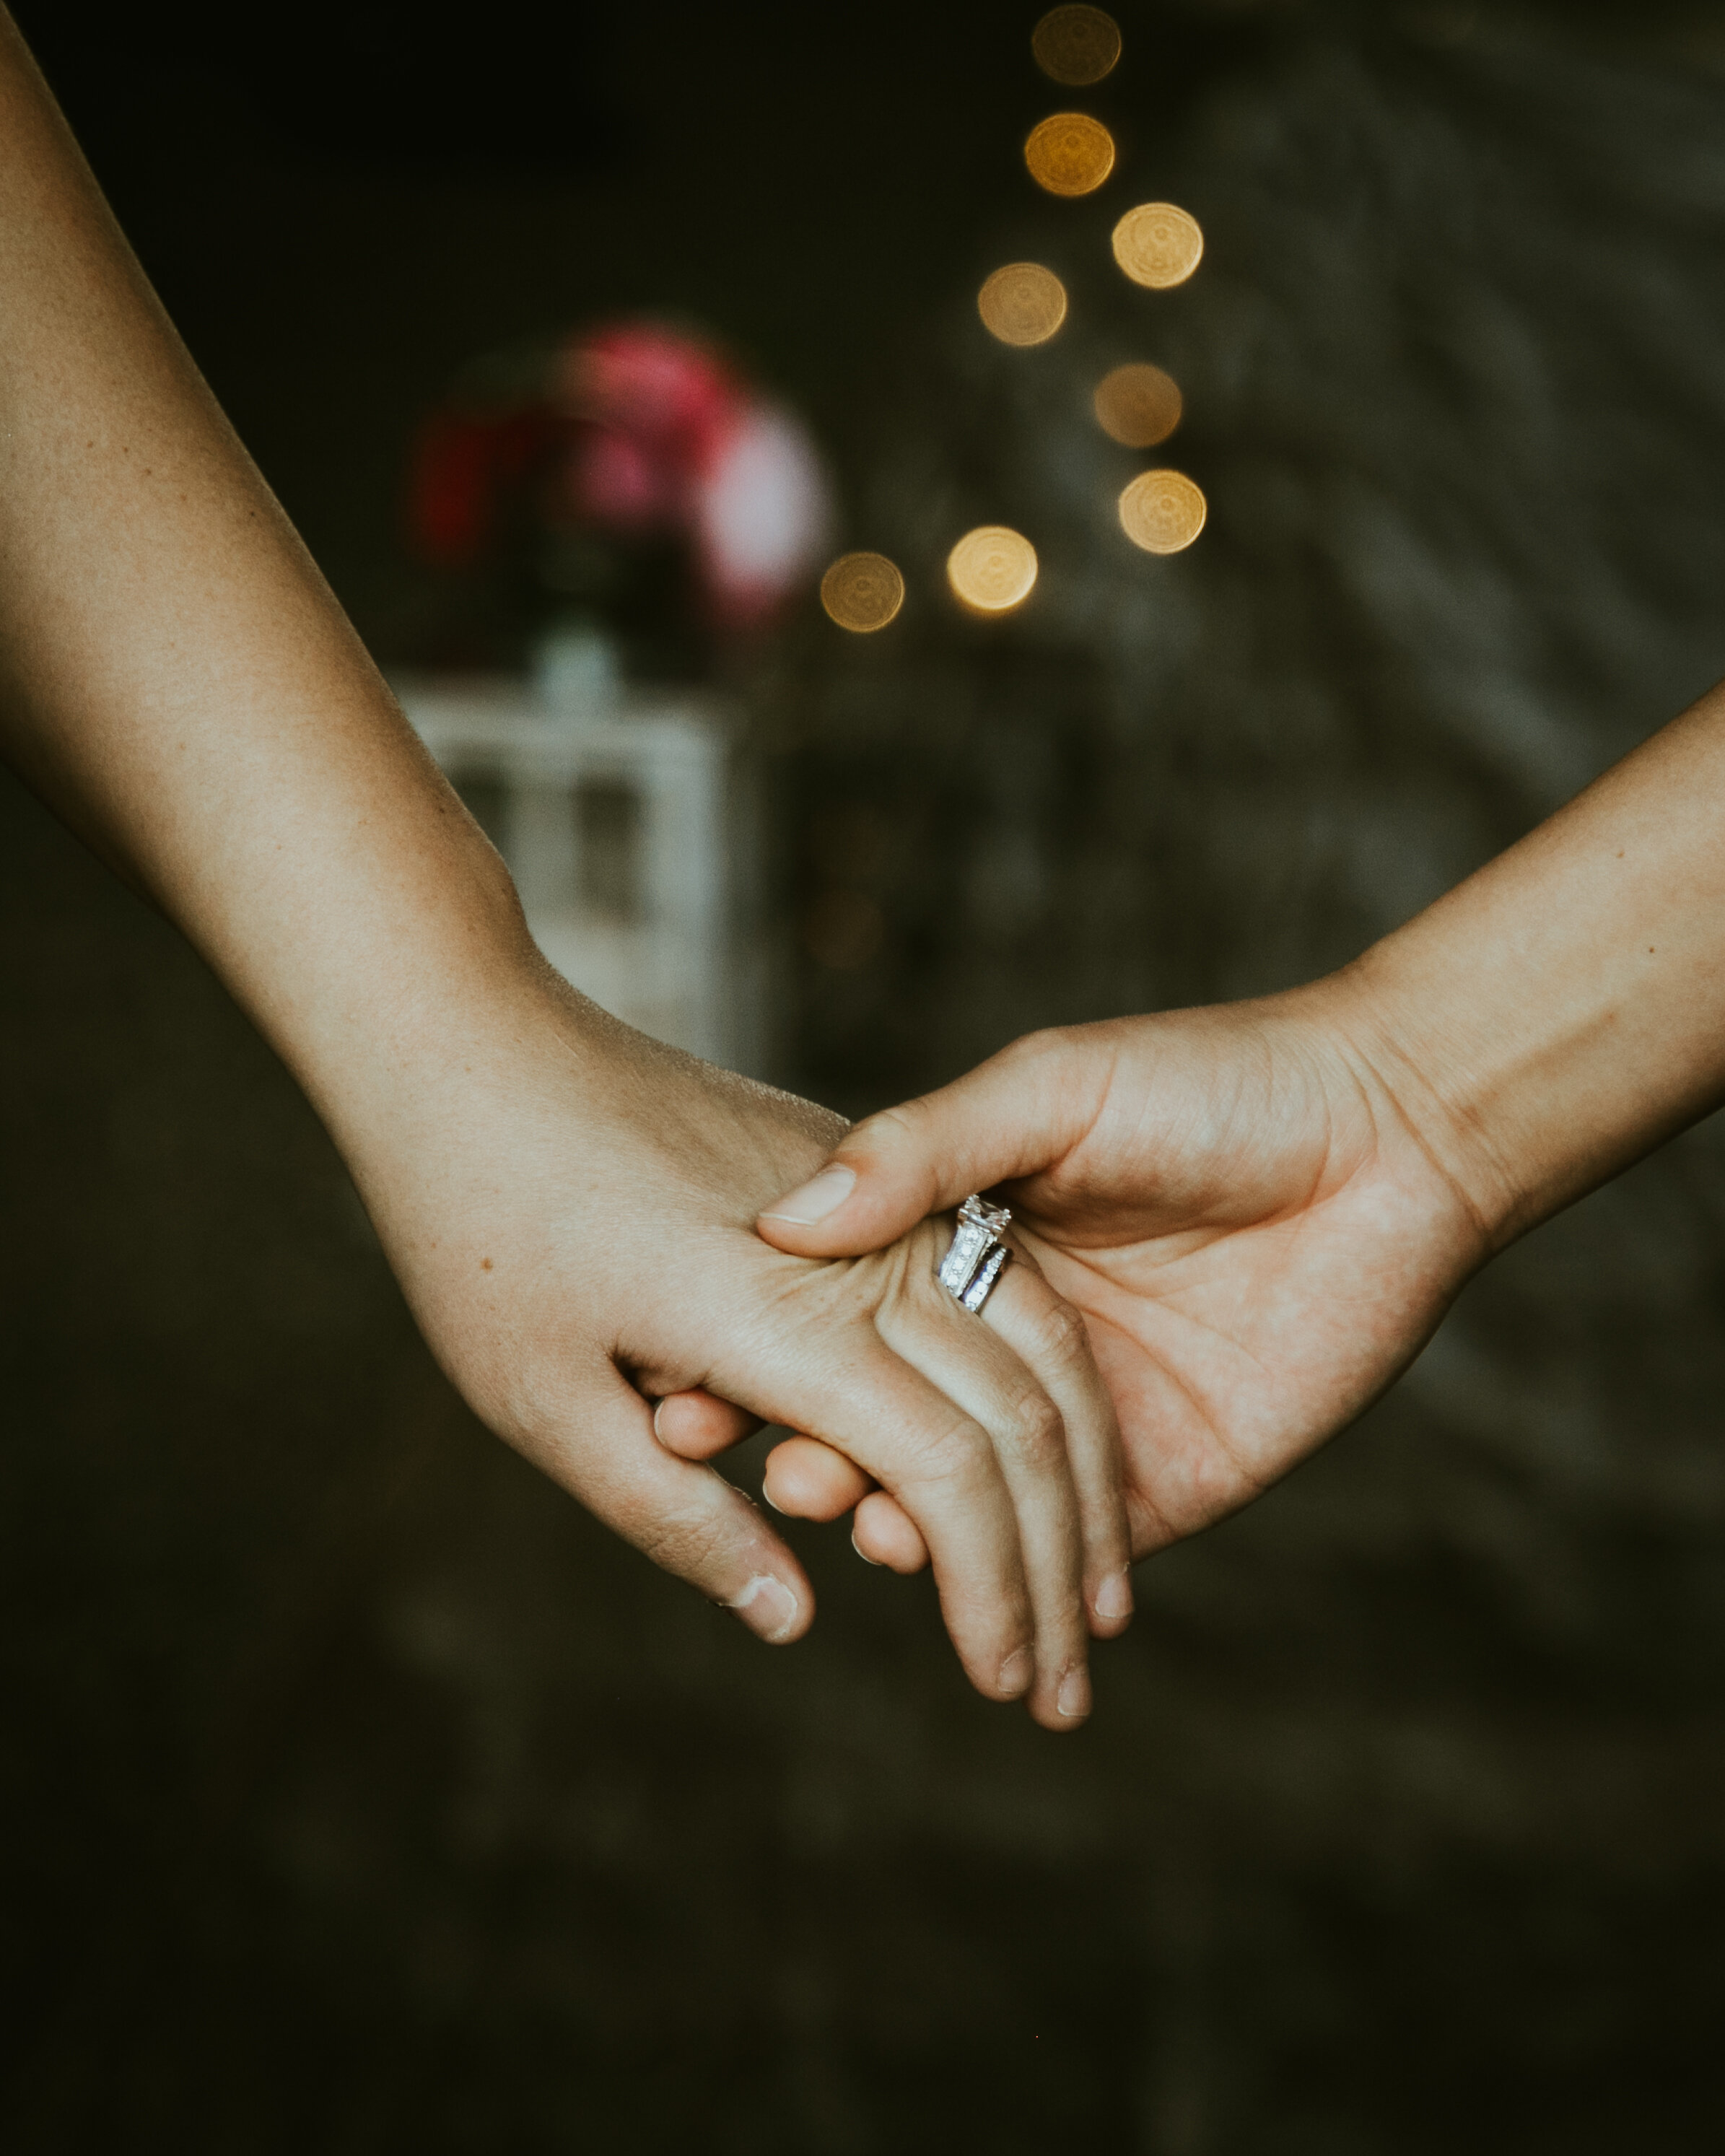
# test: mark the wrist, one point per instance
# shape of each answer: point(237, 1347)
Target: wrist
point(404, 987)
point(1393, 1053)
point(1562, 1011)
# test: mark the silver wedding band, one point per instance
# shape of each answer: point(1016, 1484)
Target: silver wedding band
point(977, 1257)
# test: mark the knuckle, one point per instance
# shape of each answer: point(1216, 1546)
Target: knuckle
point(882, 1133)
point(889, 1121)
point(953, 1453)
point(1048, 1044)
point(1031, 1047)
point(1036, 1432)
point(1059, 1333)
point(685, 1543)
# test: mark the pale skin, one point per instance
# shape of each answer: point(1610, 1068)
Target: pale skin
point(1264, 1209)
point(567, 1204)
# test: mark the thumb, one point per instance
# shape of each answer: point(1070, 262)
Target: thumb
point(1013, 1116)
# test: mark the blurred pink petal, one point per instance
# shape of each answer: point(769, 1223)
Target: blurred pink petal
point(763, 514)
point(615, 480)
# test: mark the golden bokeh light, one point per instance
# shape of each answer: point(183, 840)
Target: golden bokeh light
point(1138, 405)
point(1023, 304)
point(862, 592)
point(1075, 45)
point(993, 568)
point(1068, 153)
point(1163, 511)
point(1159, 245)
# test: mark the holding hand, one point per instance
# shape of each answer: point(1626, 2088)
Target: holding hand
point(567, 1204)
point(1264, 1209)
point(1255, 1232)
point(570, 1208)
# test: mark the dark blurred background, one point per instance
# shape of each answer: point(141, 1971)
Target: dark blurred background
point(356, 1793)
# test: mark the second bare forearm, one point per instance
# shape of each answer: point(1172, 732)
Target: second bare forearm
point(1563, 1010)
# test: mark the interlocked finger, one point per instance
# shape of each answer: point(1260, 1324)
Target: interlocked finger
point(918, 1436)
point(974, 1366)
point(1049, 1337)
point(813, 1483)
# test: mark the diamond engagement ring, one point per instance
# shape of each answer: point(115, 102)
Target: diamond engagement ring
point(977, 1256)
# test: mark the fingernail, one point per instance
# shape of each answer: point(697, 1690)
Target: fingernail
point(813, 1200)
point(861, 1552)
point(1073, 1697)
point(658, 1410)
point(766, 1606)
point(1114, 1597)
point(1016, 1673)
point(768, 1495)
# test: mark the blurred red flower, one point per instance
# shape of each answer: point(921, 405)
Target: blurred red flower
point(635, 429)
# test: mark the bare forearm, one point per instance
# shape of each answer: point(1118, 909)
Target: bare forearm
point(178, 681)
point(1563, 1010)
